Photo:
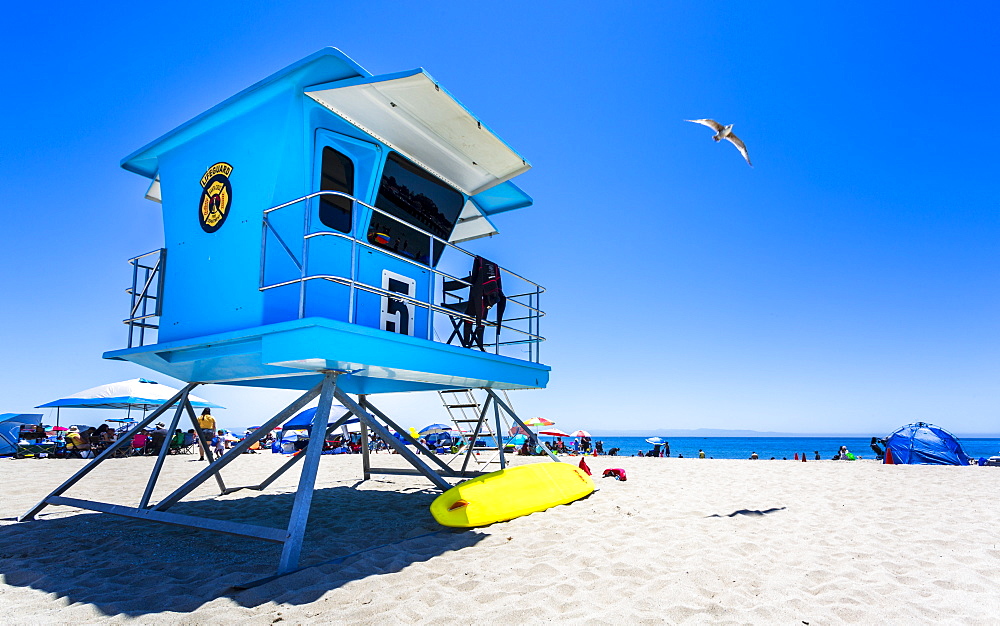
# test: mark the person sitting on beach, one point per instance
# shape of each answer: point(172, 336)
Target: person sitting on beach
point(105, 434)
point(879, 452)
point(75, 441)
point(818, 457)
point(158, 436)
point(640, 453)
point(842, 455)
point(753, 456)
point(701, 454)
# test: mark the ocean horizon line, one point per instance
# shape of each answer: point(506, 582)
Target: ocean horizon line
point(720, 432)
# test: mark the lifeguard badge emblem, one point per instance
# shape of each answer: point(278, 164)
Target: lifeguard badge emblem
point(216, 197)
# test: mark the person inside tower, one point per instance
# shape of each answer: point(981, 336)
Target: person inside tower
point(485, 292)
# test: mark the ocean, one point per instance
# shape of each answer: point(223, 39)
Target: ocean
point(777, 447)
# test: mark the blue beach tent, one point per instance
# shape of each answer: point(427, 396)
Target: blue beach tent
point(925, 444)
point(304, 420)
point(10, 429)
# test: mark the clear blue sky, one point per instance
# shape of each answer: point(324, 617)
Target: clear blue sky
point(847, 283)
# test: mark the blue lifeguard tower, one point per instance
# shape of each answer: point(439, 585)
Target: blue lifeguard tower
point(312, 225)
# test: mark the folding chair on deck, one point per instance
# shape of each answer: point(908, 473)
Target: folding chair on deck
point(485, 291)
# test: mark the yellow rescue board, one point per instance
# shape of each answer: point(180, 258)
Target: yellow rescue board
point(510, 493)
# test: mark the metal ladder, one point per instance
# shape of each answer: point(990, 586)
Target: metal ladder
point(473, 424)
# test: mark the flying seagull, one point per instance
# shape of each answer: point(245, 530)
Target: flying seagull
point(725, 132)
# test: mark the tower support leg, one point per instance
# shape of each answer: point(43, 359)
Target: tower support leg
point(307, 481)
point(366, 463)
point(164, 448)
point(499, 436)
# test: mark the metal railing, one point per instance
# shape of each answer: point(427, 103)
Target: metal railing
point(146, 292)
point(525, 326)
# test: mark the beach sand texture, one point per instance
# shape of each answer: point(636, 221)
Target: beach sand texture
point(683, 541)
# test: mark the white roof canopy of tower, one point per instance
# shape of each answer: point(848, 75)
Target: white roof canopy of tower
point(418, 118)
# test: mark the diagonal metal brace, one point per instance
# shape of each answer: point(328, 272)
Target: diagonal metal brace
point(122, 441)
point(237, 450)
point(386, 436)
point(531, 433)
point(433, 457)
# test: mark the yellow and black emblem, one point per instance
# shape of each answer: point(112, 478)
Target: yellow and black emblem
point(216, 197)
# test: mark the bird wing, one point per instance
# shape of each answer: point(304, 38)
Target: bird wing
point(710, 123)
point(736, 141)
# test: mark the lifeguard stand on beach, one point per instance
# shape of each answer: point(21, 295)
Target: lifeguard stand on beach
point(311, 225)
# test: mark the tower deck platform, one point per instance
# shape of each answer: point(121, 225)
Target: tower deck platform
point(291, 354)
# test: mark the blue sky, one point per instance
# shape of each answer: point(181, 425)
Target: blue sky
point(847, 283)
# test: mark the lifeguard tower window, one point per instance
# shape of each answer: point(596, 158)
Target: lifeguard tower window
point(417, 198)
point(337, 174)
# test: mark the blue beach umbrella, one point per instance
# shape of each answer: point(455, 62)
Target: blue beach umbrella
point(656, 441)
point(137, 393)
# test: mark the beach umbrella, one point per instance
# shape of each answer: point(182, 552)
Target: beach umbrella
point(656, 441)
point(539, 421)
point(517, 430)
point(435, 429)
point(554, 432)
point(579, 433)
point(60, 428)
point(136, 393)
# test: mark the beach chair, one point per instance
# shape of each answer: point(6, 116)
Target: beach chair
point(139, 443)
point(190, 443)
point(176, 443)
point(71, 449)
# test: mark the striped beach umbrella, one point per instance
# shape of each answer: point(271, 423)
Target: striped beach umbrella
point(539, 421)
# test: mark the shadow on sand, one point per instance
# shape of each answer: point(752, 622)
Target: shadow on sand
point(131, 567)
point(750, 512)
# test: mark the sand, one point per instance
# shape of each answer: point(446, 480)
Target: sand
point(683, 541)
